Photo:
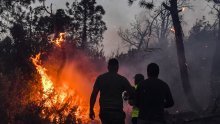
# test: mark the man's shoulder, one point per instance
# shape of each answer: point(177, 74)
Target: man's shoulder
point(122, 77)
point(163, 83)
point(103, 75)
point(107, 74)
point(157, 80)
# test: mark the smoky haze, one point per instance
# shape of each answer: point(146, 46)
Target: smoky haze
point(79, 70)
point(119, 14)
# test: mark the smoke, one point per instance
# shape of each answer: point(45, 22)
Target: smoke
point(199, 55)
point(72, 73)
point(79, 70)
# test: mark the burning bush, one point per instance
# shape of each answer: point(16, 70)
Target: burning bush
point(65, 83)
point(56, 89)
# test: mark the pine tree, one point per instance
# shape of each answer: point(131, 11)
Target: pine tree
point(88, 25)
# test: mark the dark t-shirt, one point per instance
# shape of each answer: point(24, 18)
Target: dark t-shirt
point(153, 95)
point(111, 86)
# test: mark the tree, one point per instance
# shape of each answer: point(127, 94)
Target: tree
point(24, 37)
point(136, 37)
point(154, 26)
point(202, 31)
point(87, 24)
point(16, 10)
point(174, 12)
point(27, 32)
point(216, 60)
point(163, 25)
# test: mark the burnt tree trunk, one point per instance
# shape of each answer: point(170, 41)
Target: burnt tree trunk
point(181, 55)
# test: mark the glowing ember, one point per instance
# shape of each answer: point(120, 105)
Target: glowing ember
point(59, 40)
point(183, 9)
point(172, 30)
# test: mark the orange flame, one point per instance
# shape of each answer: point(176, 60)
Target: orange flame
point(48, 85)
point(46, 82)
point(59, 40)
point(61, 96)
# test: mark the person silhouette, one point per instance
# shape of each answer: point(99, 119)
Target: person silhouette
point(138, 78)
point(111, 85)
point(152, 96)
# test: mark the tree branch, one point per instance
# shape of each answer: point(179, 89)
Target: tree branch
point(166, 6)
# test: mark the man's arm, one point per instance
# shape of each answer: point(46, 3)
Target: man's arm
point(93, 97)
point(168, 98)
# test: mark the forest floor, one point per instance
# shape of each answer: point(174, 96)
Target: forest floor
point(192, 118)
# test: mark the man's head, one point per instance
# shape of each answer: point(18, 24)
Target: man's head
point(113, 65)
point(138, 78)
point(153, 70)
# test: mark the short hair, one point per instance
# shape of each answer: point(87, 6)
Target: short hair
point(138, 78)
point(153, 70)
point(113, 65)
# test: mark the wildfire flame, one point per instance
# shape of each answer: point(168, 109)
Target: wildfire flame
point(57, 40)
point(59, 97)
point(47, 84)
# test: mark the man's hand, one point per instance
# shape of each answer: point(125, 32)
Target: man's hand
point(94, 94)
point(125, 96)
point(92, 114)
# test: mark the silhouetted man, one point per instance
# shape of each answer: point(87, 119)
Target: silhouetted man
point(152, 96)
point(138, 78)
point(111, 86)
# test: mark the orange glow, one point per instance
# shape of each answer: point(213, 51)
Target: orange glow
point(69, 93)
point(58, 41)
point(183, 9)
point(172, 30)
point(47, 84)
